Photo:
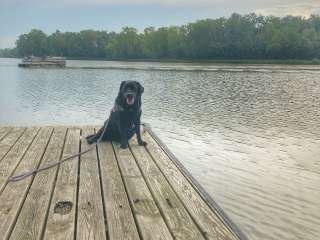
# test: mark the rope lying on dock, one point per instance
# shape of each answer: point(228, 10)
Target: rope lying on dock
point(24, 175)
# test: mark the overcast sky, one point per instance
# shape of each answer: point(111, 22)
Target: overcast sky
point(20, 16)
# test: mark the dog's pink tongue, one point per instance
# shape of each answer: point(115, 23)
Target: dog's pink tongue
point(130, 101)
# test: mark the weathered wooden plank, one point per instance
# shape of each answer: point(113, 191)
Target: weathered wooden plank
point(12, 198)
point(13, 157)
point(31, 219)
point(90, 222)
point(208, 221)
point(121, 224)
point(61, 218)
point(149, 219)
point(174, 212)
point(162, 201)
point(4, 131)
point(9, 141)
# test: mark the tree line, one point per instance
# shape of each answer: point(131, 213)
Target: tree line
point(248, 36)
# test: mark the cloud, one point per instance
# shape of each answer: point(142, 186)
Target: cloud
point(266, 7)
point(19, 16)
point(178, 3)
point(297, 9)
point(7, 42)
point(274, 7)
point(114, 2)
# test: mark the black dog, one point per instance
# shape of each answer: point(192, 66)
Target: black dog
point(124, 119)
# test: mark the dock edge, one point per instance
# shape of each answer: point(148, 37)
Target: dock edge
point(197, 186)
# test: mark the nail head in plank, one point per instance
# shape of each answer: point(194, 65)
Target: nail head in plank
point(149, 219)
point(61, 218)
point(4, 131)
point(209, 222)
point(90, 222)
point(31, 219)
point(177, 217)
point(12, 198)
point(9, 140)
point(121, 224)
point(13, 157)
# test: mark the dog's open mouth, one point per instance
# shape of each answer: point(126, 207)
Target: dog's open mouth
point(130, 100)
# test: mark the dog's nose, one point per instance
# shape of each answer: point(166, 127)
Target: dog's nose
point(130, 95)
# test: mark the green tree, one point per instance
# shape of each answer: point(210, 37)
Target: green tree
point(176, 43)
point(248, 36)
point(155, 42)
point(33, 43)
point(126, 44)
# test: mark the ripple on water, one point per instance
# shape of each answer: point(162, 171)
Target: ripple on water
point(248, 133)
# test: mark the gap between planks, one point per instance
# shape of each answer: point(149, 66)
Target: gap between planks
point(136, 183)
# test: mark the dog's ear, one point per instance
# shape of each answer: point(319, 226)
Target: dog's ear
point(119, 99)
point(141, 89)
point(121, 85)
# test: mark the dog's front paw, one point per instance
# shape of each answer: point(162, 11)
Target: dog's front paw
point(143, 143)
point(124, 145)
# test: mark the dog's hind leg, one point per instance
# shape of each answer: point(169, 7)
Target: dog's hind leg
point(131, 132)
point(95, 137)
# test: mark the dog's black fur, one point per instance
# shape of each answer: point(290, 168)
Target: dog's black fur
point(124, 119)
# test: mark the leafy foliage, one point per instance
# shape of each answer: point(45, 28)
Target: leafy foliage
point(248, 36)
point(8, 53)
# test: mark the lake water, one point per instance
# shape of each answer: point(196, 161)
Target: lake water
point(250, 134)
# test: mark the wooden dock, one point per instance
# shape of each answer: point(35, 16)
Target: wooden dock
point(107, 193)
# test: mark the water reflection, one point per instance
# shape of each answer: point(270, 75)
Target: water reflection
point(250, 137)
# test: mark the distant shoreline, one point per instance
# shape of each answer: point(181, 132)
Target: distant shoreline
point(218, 61)
point(237, 39)
point(231, 61)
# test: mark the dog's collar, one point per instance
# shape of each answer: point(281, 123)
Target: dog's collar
point(117, 107)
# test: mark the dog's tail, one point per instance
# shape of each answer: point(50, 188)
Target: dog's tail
point(91, 139)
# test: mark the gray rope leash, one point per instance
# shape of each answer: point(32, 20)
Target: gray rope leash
point(24, 175)
point(29, 173)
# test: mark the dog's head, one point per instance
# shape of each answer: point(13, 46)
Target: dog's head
point(130, 93)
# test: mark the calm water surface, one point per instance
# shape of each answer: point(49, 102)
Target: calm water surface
point(250, 134)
